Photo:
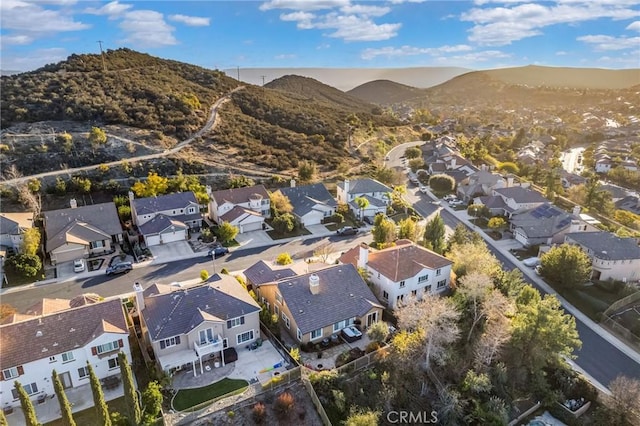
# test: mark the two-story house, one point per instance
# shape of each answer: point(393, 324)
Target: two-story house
point(547, 224)
point(166, 218)
point(64, 338)
point(13, 227)
point(510, 200)
point(318, 305)
point(377, 194)
point(311, 203)
point(402, 271)
point(246, 207)
point(612, 257)
point(81, 231)
point(186, 326)
point(480, 183)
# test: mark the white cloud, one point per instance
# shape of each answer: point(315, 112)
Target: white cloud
point(406, 1)
point(33, 59)
point(323, 46)
point(634, 26)
point(303, 4)
point(147, 28)
point(285, 56)
point(192, 21)
point(356, 28)
point(626, 59)
point(503, 25)
point(303, 19)
point(561, 53)
point(19, 39)
point(390, 52)
point(32, 19)
point(113, 9)
point(606, 42)
point(365, 10)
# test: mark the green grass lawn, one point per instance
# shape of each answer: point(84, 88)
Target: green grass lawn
point(87, 417)
point(15, 279)
point(187, 398)
point(591, 300)
point(275, 235)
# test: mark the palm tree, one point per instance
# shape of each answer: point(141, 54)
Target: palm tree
point(362, 203)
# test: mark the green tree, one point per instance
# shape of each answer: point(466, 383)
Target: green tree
point(31, 241)
point(509, 167)
point(154, 185)
point(362, 204)
point(227, 232)
point(97, 136)
point(26, 264)
point(284, 259)
point(415, 164)
point(307, 171)
point(99, 404)
point(409, 229)
point(413, 152)
point(473, 257)
point(66, 140)
point(434, 234)
point(27, 406)
point(134, 413)
point(378, 331)
point(152, 401)
point(442, 183)
point(34, 185)
point(81, 184)
point(384, 231)
point(240, 181)
point(280, 203)
point(478, 210)
point(124, 212)
point(60, 187)
point(65, 406)
point(566, 266)
point(283, 223)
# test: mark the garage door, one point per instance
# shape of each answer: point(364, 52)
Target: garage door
point(170, 237)
point(152, 240)
point(247, 227)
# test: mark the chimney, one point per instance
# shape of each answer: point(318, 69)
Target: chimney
point(576, 211)
point(346, 190)
point(314, 284)
point(208, 189)
point(509, 180)
point(575, 226)
point(453, 162)
point(73, 203)
point(131, 197)
point(363, 256)
point(293, 183)
point(137, 288)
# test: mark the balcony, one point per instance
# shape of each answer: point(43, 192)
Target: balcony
point(209, 347)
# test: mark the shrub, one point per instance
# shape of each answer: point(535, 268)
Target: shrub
point(336, 218)
point(284, 259)
point(259, 413)
point(224, 271)
point(284, 405)
point(372, 347)
point(204, 275)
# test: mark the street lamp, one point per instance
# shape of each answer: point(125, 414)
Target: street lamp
point(213, 261)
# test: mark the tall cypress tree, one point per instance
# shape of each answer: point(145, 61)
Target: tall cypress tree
point(3, 419)
point(27, 406)
point(102, 411)
point(65, 407)
point(134, 413)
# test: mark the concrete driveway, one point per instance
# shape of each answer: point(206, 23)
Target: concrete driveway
point(171, 251)
point(253, 238)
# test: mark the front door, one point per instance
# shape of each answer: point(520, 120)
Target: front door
point(371, 318)
point(65, 378)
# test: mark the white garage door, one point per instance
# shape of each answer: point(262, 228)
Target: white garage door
point(152, 240)
point(247, 227)
point(170, 237)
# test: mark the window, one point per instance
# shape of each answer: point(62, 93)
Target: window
point(206, 336)
point(107, 347)
point(438, 272)
point(171, 341)
point(245, 337)
point(414, 292)
point(96, 244)
point(400, 298)
point(316, 334)
point(299, 334)
point(442, 283)
point(10, 373)
point(276, 309)
point(286, 320)
point(114, 363)
point(67, 356)
point(52, 359)
point(30, 388)
point(278, 297)
point(192, 210)
point(423, 278)
point(427, 289)
point(83, 372)
point(385, 295)
point(339, 325)
point(235, 322)
point(402, 284)
point(181, 211)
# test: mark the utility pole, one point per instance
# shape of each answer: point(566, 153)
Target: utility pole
point(104, 67)
point(263, 76)
point(238, 68)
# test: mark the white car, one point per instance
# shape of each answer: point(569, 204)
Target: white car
point(449, 197)
point(423, 189)
point(78, 265)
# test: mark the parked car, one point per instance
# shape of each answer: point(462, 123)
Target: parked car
point(78, 265)
point(218, 251)
point(368, 220)
point(347, 230)
point(119, 268)
point(456, 203)
point(449, 197)
point(531, 262)
point(423, 189)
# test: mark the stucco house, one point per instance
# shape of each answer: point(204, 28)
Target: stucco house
point(376, 193)
point(166, 218)
point(479, 183)
point(81, 231)
point(63, 337)
point(546, 224)
point(186, 326)
point(311, 203)
point(318, 305)
point(246, 207)
point(401, 271)
point(510, 200)
point(12, 228)
point(612, 257)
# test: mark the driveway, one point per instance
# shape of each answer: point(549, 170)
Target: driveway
point(171, 251)
point(254, 238)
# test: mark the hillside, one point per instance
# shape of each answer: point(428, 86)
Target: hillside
point(385, 92)
point(311, 89)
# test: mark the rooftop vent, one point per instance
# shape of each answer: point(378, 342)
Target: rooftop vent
point(38, 333)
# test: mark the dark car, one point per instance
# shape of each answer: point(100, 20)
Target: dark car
point(119, 268)
point(347, 230)
point(368, 220)
point(218, 251)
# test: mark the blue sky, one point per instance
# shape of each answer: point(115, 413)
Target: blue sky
point(478, 34)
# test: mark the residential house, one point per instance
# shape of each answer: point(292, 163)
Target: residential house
point(63, 338)
point(12, 228)
point(546, 224)
point(401, 271)
point(166, 218)
point(376, 193)
point(630, 203)
point(186, 326)
point(571, 179)
point(246, 207)
point(603, 164)
point(318, 305)
point(510, 200)
point(81, 231)
point(482, 182)
point(261, 273)
point(617, 192)
point(612, 257)
point(311, 203)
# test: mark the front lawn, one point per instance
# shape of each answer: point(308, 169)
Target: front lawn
point(88, 416)
point(15, 279)
point(591, 300)
point(188, 398)
point(296, 232)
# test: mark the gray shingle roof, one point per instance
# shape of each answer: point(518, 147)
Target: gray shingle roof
point(373, 202)
point(342, 295)
point(103, 217)
point(522, 195)
point(177, 312)
point(607, 246)
point(240, 195)
point(544, 221)
point(304, 198)
point(159, 224)
point(366, 185)
point(178, 200)
point(261, 273)
point(8, 226)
